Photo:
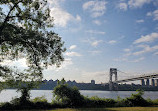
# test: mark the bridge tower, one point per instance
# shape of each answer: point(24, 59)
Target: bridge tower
point(113, 71)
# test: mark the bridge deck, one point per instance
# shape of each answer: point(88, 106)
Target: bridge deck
point(137, 78)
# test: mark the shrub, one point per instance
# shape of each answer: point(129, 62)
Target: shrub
point(155, 101)
point(110, 102)
point(121, 102)
point(15, 101)
point(95, 101)
point(136, 99)
point(39, 99)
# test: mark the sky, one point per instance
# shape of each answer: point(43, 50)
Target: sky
point(104, 34)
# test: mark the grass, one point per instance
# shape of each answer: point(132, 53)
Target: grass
point(104, 109)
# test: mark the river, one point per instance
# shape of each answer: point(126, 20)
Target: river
point(7, 95)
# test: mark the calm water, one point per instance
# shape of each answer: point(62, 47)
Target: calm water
point(7, 95)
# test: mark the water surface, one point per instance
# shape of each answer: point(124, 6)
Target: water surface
point(7, 95)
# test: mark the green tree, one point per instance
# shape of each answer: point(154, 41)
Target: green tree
point(67, 95)
point(25, 32)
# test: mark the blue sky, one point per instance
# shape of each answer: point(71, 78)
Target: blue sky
point(102, 34)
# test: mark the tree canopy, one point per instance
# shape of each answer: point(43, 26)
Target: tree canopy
point(25, 32)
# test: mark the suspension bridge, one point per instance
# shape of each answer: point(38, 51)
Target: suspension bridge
point(143, 77)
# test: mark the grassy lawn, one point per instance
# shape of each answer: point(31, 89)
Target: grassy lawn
point(104, 109)
point(112, 109)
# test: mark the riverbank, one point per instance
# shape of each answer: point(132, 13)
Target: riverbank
point(133, 103)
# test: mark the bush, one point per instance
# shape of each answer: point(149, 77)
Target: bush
point(39, 99)
point(136, 99)
point(95, 101)
point(15, 101)
point(121, 102)
point(155, 101)
point(5, 105)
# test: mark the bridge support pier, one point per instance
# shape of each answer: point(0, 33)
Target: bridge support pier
point(156, 82)
point(152, 82)
point(147, 82)
point(142, 82)
point(110, 86)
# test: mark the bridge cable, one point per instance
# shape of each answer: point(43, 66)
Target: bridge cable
point(122, 72)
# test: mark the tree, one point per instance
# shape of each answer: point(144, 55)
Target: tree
point(25, 32)
point(67, 95)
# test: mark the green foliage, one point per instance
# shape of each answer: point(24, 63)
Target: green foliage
point(39, 99)
point(96, 101)
point(24, 87)
point(136, 99)
point(155, 101)
point(121, 102)
point(24, 99)
point(15, 101)
point(25, 33)
point(67, 95)
point(25, 95)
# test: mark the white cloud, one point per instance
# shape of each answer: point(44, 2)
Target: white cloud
point(154, 14)
point(149, 14)
point(67, 62)
point(97, 22)
point(137, 3)
point(55, 3)
point(95, 52)
point(72, 47)
point(122, 6)
point(78, 18)
point(20, 64)
point(127, 50)
point(112, 41)
point(72, 54)
point(156, 53)
point(98, 75)
point(146, 49)
point(93, 42)
point(132, 4)
point(147, 38)
point(137, 60)
point(61, 16)
point(139, 52)
point(140, 21)
point(120, 59)
point(96, 43)
point(126, 60)
point(95, 32)
point(96, 8)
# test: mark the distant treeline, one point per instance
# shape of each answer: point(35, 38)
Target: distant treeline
point(49, 85)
